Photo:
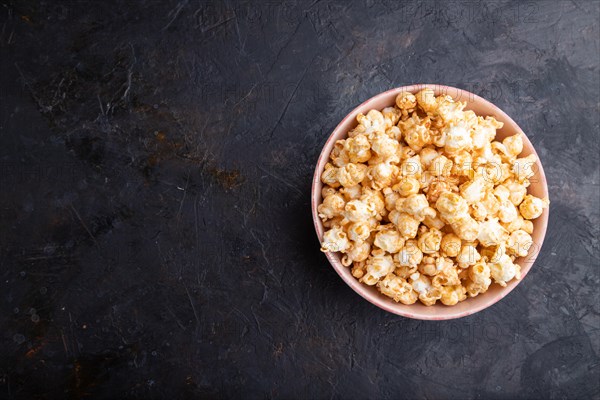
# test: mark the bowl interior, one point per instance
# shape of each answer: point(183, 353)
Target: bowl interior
point(537, 188)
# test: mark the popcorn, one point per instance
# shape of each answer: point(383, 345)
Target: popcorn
point(473, 191)
point(391, 116)
point(336, 221)
point(428, 266)
point(513, 144)
point(385, 147)
point(412, 167)
point(519, 243)
point(485, 131)
point(417, 206)
point(450, 245)
point(359, 251)
point(327, 191)
point(329, 176)
point(427, 155)
point(527, 226)
point(507, 212)
point(491, 233)
point(398, 289)
point(406, 101)
point(523, 168)
point(406, 224)
point(415, 132)
point(358, 148)
point(426, 100)
point(334, 240)
point(428, 294)
point(478, 211)
point(502, 193)
point(351, 192)
point(468, 255)
point(381, 175)
point(514, 225)
point(457, 139)
point(436, 187)
point(449, 111)
point(359, 269)
point(407, 186)
point(434, 222)
point(391, 197)
point(332, 206)
point(339, 155)
point(358, 211)
point(358, 231)
point(411, 255)
point(492, 254)
point(480, 275)
point(517, 192)
point(378, 265)
point(394, 133)
point(441, 166)
point(430, 241)
point(532, 207)
point(405, 272)
point(466, 227)
point(447, 277)
point(351, 174)
point(451, 206)
point(463, 163)
point(372, 122)
point(389, 239)
point(424, 204)
point(451, 295)
point(405, 152)
point(504, 270)
point(374, 199)
point(491, 203)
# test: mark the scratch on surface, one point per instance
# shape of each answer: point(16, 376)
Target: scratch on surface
point(280, 179)
point(191, 303)
point(291, 98)
point(577, 6)
point(62, 335)
point(241, 45)
point(256, 321)
point(101, 106)
point(237, 311)
point(246, 96)
point(175, 316)
point(244, 216)
point(175, 13)
point(283, 47)
point(73, 334)
point(84, 225)
point(183, 197)
point(39, 102)
point(262, 246)
point(129, 74)
point(196, 229)
point(313, 4)
point(258, 326)
point(216, 25)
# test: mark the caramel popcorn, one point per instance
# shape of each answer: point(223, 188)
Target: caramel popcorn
point(425, 205)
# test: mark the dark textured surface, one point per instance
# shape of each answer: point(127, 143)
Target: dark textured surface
point(155, 231)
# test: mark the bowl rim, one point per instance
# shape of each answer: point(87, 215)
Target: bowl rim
point(360, 288)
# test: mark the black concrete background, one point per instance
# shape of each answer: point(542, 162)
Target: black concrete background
point(155, 231)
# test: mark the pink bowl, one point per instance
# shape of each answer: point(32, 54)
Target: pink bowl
point(439, 311)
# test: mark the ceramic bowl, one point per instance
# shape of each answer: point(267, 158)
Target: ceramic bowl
point(438, 311)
